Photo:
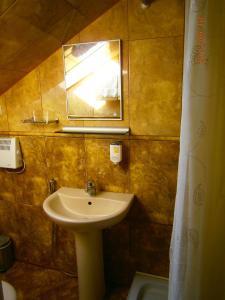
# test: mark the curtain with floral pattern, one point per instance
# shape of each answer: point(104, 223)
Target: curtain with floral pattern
point(197, 254)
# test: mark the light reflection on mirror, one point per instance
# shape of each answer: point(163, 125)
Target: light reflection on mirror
point(93, 80)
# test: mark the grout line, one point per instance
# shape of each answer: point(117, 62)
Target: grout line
point(128, 84)
point(67, 26)
point(46, 268)
point(95, 137)
point(6, 109)
point(156, 38)
point(8, 8)
point(127, 21)
point(129, 162)
point(85, 159)
point(40, 86)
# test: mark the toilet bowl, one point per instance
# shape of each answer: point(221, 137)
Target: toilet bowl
point(148, 287)
point(8, 291)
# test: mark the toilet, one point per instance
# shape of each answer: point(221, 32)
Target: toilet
point(148, 287)
point(8, 291)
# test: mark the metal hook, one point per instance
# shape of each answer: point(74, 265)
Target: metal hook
point(52, 185)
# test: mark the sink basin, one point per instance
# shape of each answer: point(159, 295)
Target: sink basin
point(87, 216)
point(75, 209)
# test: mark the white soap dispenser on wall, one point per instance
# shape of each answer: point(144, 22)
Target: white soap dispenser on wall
point(116, 152)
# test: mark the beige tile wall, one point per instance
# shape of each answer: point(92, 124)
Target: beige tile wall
point(152, 53)
point(3, 115)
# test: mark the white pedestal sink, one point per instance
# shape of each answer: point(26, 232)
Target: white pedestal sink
point(87, 216)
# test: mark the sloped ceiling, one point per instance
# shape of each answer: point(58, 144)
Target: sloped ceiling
point(30, 30)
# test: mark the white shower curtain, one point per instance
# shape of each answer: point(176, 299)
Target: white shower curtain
point(197, 256)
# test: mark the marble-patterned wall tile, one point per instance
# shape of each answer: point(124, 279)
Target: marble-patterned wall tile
point(74, 40)
point(18, 276)
point(64, 28)
point(120, 292)
point(34, 244)
point(6, 186)
point(41, 14)
point(155, 86)
point(4, 126)
point(119, 270)
point(53, 91)
point(52, 85)
point(8, 219)
point(8, 77)
point(40, 49)
point(16, 33)
point(111, 25)
point(153, 173)
point(119, 265)
point(31, 187)
point(66, 161)
point(108, 177)
point(21, 100)
point(35, 282)
point(65, 289)
point(117, 240)
point(30, 231)
point(150, 247)
point(162, 18)
point(98, 7)
point(52, 72)
point(63, 250)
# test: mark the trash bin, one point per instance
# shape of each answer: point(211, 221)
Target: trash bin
point(6, 253)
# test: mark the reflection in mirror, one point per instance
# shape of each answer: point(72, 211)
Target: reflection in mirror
point(93, 80)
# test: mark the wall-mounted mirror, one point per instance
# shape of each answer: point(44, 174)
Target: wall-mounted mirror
point(93, 80)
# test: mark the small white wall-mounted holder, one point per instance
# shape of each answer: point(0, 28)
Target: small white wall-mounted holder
point(11, 158)
point(10, 153)
point(116, 152)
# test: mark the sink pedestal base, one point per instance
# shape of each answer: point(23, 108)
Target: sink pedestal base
point(90, 265)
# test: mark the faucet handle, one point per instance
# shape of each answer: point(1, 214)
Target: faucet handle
point(91, 187)
point(90, 182)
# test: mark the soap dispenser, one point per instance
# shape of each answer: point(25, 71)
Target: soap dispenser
point(116, 152)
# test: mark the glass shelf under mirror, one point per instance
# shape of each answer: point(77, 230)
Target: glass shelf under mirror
point(40, 121)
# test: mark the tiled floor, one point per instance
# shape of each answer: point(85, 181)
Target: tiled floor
point(35, 283)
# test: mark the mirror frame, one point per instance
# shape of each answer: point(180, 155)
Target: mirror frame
point(73, 117)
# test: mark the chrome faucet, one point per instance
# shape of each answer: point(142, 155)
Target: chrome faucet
point(91, 188)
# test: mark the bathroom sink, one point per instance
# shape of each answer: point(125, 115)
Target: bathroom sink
point(87, 215)
point(75, 209)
